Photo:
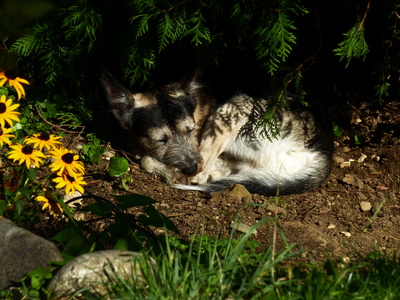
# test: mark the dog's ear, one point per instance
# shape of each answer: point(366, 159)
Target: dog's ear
point(120, 100)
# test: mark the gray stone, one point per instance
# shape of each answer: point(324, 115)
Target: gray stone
point(94, 272)
point(365, 205)
point(22, 251)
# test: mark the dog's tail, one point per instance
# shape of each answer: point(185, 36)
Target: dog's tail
point(265, 182)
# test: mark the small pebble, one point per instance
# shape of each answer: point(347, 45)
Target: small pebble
point(243, 227)
point(338, 159)
point(346, 149)
point(345, 164)
point(362, 158)
point(365, 205)
point(331, 226)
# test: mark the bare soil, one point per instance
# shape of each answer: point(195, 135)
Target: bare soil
point(355, 212)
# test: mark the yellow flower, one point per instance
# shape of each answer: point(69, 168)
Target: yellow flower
point(7, 111)
point(13, 81)
point(25, 153)
point(66, 160)
point(50, 203)
point(43, 140)
point(5, 136)
point(70, 183)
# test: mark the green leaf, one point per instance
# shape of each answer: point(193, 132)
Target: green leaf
point(134, 200)
point(118, 166)
point(67, 234)
point(158, 219)
point(92, 152)
point(121, 244)
point(357, 140)
point(3, 207)
point(337, 130)
point(124, 182)
point(38, 277)
point(101, 209)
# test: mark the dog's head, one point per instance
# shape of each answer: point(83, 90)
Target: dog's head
point(160, 124)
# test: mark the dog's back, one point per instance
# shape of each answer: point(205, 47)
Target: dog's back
point(235, 150)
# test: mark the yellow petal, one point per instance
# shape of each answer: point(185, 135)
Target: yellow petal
point(19, 79)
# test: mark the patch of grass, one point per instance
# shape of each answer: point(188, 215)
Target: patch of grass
point(228, 269)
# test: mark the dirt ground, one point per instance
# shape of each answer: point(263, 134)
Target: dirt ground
point(355, 212)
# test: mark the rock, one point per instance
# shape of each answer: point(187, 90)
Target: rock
point(345, 164)
point(244, 228)
point(365, 206)
point(338, 159)
point(108, 154)
point(353, 180)
point(94, 272)
point(235, 193)
point(362, 158)
point(331, 226)
point(275, 209)
point(346, 149)
point(22, 251)
point(346, 233)
point(361, 196)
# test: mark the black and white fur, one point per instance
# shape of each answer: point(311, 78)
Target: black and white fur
point(235, 150)
point(182, 135)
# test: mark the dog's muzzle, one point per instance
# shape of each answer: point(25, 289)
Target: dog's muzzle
point(190, 170)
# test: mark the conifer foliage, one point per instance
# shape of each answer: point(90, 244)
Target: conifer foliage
point(64, 51)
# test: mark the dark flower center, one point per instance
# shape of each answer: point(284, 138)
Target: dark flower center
point(3, 108)
point(27, 150)
point(68, 158)
point(70, 178)
point(44, 136)
point(11, 74)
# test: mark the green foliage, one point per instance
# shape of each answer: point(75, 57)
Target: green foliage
point(337, 130)
point(268, 124)
point(92, 151)
point(65, 51)
point(34, 282)
point(275, 39)
point(207, 269)
point(118, 166)
point(354, 44)
point(124, 230)
point(213, 268)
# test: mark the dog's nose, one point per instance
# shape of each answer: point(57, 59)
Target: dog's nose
point(190, 170)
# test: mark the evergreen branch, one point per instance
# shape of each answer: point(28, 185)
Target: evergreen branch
point(354, 44)
point(365, 16)
point(26, 45)
point(268, 124)
point(166, 30)
point(81, 25)
point(275, 42)
point(142, 23)
point(199, 31)
point(139, 63)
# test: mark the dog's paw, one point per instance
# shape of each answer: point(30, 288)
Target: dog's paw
point(180, 178)
point(169, 174)
point(200, 178)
